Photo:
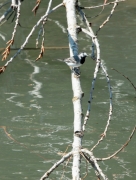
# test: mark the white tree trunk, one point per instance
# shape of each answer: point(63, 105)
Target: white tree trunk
point(77, 142)
point(77, 92)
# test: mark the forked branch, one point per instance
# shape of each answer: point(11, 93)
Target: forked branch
point(98, 64)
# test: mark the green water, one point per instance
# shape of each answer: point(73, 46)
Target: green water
point(36, 111)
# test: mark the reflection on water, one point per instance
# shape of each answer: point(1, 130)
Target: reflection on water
point(3, 37)
point(36, 109)
point(126, 171)
point(59, 25)
point(37, 85)
point(35, 92)
point(26, 119)
point(11, 99)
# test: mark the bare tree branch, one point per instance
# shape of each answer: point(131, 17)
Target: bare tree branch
point(2, 69)
point(93, 7)
point(46, 175)
point(109, 157)
point(98, 64)
point(42, 45)
point(94, 161)
point(108, 18)
point(92, 164)
point(125, 77)
point(10, 42)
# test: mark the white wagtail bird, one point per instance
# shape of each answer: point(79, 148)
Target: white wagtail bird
point(75, 61)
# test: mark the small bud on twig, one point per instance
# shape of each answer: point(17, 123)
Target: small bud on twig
point(36, 6)
point(41, 53)
point(7, 49)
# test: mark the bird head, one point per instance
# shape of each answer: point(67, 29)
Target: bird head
point(83, 54)
point(82, 57)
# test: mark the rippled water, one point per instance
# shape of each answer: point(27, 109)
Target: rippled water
point(36, 123)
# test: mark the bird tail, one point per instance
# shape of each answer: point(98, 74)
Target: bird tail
point(60, 60)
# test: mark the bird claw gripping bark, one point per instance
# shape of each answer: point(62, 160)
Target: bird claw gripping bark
point(76, 71)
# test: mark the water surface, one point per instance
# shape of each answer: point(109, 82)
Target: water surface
point(36, 109)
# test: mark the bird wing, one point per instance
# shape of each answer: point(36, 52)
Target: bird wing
point(73, 59)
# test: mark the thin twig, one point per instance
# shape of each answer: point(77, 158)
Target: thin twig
point(103, 135)
point(125, 77)
point(64, 167)
point(95, 41)
point(5, 14)
point(93, 7)
point(98, 64)
point(42, 26)
point(10, 42)
point(44, 21)
point(5, 4)
point(95, 164)
point(100, 11)
point(13, 12)
point(63, 153)
point(108, 18)
point(109, 157)
point(9, 136)
point(46, 175)
point(92, 164)
point(36, 6)
point(41, 52)
point(82, 154)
